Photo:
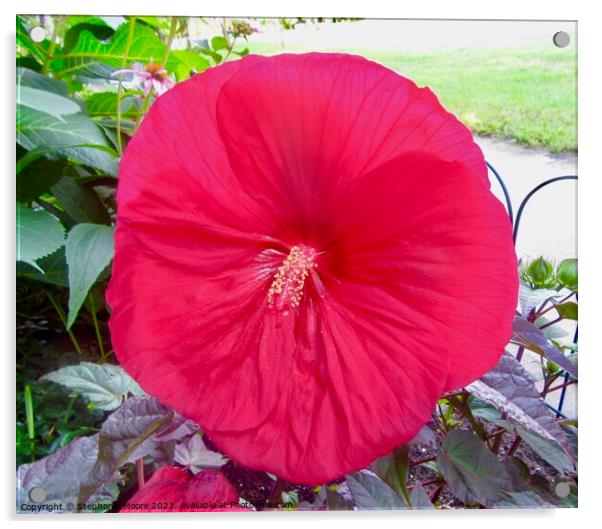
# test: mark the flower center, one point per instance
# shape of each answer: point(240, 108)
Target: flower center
point(156, 71)
point(286, 290)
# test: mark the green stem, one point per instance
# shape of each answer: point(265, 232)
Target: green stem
point(69, 408)
point(31, 427)
point(173, 26)
point(52, 46)
point(128, 45)
point(96, 325)
point(462, 406)
point(143, 109)
point(230, 48)
point(61, 313)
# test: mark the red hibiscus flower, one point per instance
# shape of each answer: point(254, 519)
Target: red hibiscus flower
point(307, 256)
point(175, 489)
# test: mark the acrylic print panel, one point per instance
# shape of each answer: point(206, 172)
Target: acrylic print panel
point(295, 264)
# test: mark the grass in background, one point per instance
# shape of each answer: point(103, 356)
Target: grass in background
point(523, 94)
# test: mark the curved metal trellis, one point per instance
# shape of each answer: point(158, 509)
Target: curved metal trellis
point(515, 227)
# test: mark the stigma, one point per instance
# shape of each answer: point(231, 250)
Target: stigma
point(286, 290)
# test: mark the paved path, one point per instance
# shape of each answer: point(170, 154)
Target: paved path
point(548, 226)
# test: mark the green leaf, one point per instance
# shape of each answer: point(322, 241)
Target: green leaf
point(89, 250)
point(27, 44)
point(393, 469)
point(27, 77)
point(419, 499)
point(73, 135)
point(105, 385)
point(51, 269)
point(57, 106)
point(219, 43)
point(96, 26)
point(217, 58)
point(181, 62)
point(38, 234)
point(371, 492)
point(104, 104)
point(568, 310)
point(81, 204)
point(471, 470)
point(549, 451)
point(482, 410)
point(37, 176)
point(91, 57)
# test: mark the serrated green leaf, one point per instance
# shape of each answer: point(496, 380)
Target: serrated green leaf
point(73, 135)
point(91, 57)
point(471, 470)
point(89, 250)
point(105, 385)
point(38, 234)
point(51, 269)
point(81, 204)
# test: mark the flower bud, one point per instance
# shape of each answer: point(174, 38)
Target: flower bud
point(540, 273)
point(567, 274)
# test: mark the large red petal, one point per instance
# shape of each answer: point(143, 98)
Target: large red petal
point(424, 231)
point(365, 379)
point(297, 126)
point(200, 338)
point(176, 166)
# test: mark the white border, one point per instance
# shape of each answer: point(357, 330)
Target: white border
point(590, 195)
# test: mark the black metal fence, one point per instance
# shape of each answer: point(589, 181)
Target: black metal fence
point(515, 222)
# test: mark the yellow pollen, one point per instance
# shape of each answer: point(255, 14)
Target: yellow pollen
point(286, 290)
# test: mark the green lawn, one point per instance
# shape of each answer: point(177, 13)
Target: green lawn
point(525, 94)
